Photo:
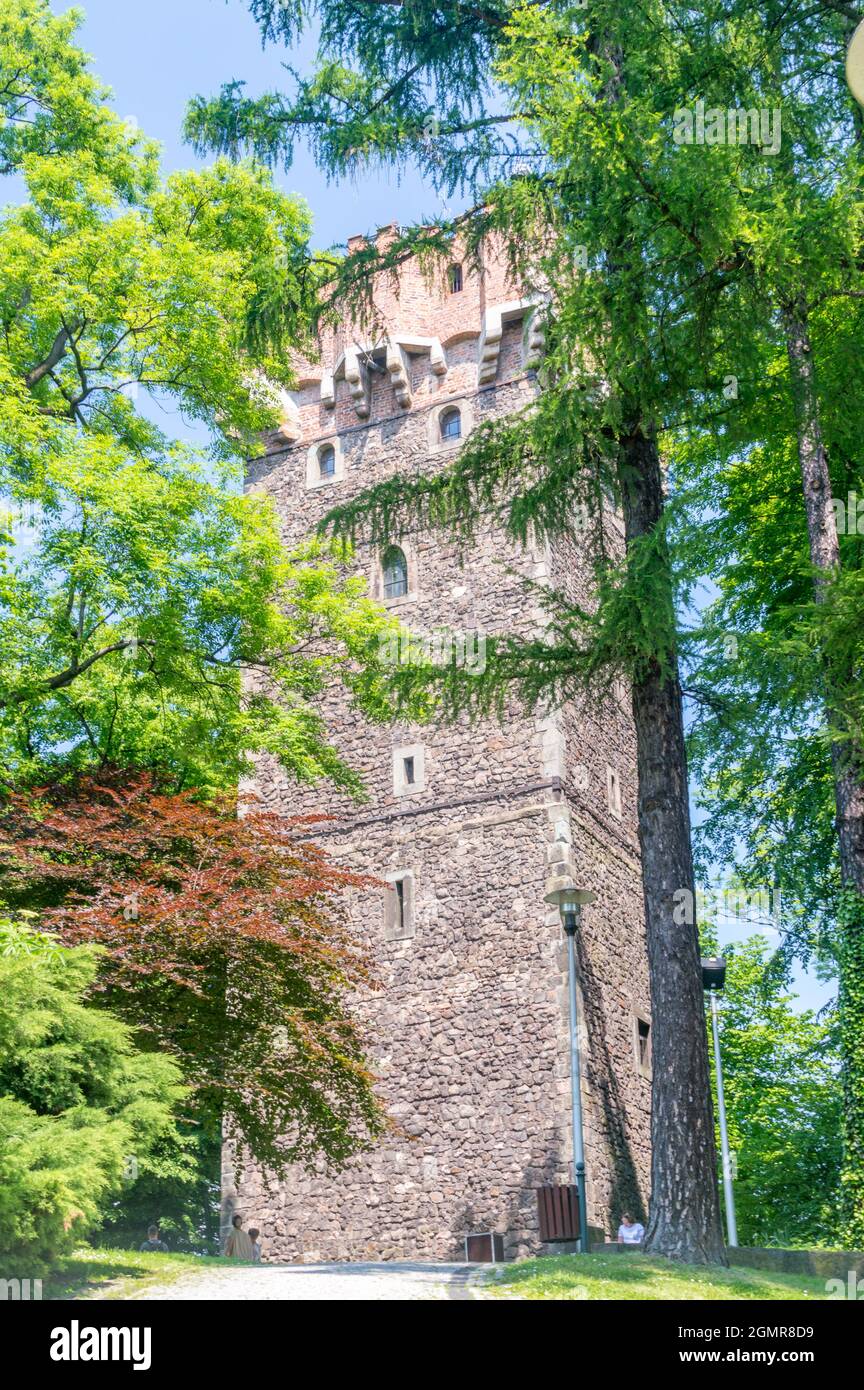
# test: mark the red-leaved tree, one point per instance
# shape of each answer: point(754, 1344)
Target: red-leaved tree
point(226, 941)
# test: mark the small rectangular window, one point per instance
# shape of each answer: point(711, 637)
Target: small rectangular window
point(613, 791)
point(644, 1035)
point(399, 908)
point(409, 769)
point(455, 277)
point(642, 1045)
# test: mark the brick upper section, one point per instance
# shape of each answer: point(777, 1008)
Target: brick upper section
point(421, 303)
point(412, 305)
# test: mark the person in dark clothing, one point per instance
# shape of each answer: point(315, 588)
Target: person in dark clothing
point(153, 1243)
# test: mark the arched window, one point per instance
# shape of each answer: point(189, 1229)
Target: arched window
point(454, 277)
point(451, 424)
point(395, 573)
point(326, 461)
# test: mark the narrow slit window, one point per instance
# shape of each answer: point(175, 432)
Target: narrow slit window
point(409, 769)
point(454, 276)
point(613, 786)
point(399, 908)
point(641, 1045)
point(644, 1042)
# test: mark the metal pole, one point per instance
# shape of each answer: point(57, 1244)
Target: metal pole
point(729, 1195)
point(571, 920)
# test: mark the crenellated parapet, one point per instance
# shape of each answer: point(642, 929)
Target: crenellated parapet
point(400, 360)
point(457, 330)
point(358, 364)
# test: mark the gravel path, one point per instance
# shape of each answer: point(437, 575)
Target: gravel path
point(318, 1283)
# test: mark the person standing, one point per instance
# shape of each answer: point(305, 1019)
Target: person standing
point(238, 1246)
point(153, 1242)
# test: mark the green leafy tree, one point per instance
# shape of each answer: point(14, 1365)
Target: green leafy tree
point(137, 583)
point(83, 1112)
point(150, 617)
point(780, 646)
point(784, 1101)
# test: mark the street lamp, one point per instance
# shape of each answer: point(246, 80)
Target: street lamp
point(855, 64)
point(570, 901)
point(713, 980)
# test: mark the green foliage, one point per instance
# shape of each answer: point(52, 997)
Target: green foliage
point(851, 963)
point(226, 942)
point(136, 582)
point(149, 589)
point(43, 74)
point(81, 1110)
point(783, 1090)
point(185, 1206)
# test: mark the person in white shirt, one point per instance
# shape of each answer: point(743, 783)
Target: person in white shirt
point(630, 1232)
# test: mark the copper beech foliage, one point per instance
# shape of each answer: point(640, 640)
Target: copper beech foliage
point(226, 941)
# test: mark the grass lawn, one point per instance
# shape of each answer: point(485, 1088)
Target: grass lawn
point(642, 1277)
point(119, 1273)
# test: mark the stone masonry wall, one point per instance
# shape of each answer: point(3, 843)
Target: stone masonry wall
point(468, 1033)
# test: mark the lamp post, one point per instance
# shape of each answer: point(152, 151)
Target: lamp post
point(570, 902)
point(713, 980)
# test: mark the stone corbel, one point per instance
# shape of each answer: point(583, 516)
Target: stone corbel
point(437, 359)
point(355, 370)
point(490, 344)
point(289, 428)
point(535, 338)
point(357, 377)
point(399, 368)
point(493, 329)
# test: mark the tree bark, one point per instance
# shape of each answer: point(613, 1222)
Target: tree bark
point(56, 354)
point(846, 759)
point(684, 1213)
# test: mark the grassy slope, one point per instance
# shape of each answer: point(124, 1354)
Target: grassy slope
point(122, 1274)
point(119, 1273)
point(643, 1277)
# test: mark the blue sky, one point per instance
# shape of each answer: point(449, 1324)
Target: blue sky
point(155, 56)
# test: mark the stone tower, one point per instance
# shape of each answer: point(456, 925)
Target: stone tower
point(469, 1033)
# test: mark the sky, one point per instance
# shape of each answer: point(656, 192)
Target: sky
point(156, 55)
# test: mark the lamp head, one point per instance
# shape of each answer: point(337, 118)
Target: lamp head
point(713, 972)
point(570, 900)
point(855, 64)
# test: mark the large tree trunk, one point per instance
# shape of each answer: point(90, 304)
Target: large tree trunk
point(847, 763)
point(684, 1215)
point(684, 1208)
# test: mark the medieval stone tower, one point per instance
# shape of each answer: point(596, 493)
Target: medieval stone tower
point(469, 1033)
